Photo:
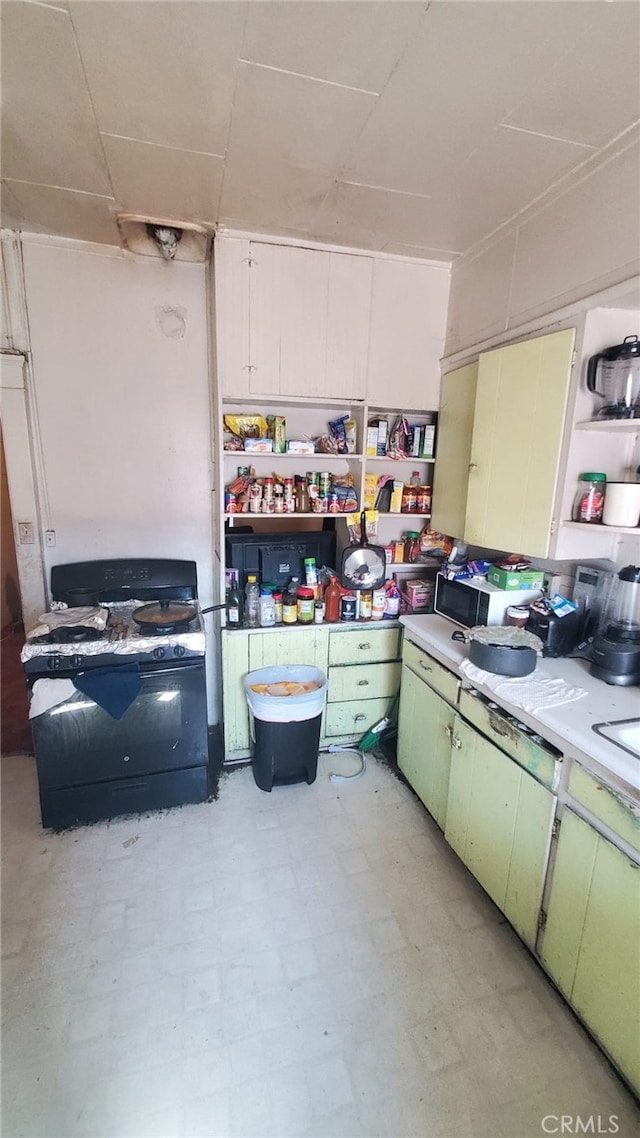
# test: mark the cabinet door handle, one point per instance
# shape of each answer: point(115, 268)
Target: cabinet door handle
point(473, 466)
point(363, 683)
point(455, 742)
point(425, 667)
point(359, 716)
point(364, 646)
point(449, 733)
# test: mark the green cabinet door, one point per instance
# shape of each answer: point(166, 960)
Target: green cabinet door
point(591, 942)
point(518, 426)
point(455, 429)
point(424, 743)
point(499, 822)
point(235, 665)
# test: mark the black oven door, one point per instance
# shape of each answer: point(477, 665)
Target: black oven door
point(76, 742)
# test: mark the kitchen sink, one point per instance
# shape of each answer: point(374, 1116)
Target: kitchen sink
point(625, 733)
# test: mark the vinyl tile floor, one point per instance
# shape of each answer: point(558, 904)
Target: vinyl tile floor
point(310, 962)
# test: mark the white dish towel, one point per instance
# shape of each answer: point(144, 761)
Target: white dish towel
point(532, 693)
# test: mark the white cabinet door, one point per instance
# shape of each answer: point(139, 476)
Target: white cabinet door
point(231, 313)
point(309, 320)
point(408, 319)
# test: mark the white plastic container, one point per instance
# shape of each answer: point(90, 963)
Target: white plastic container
point(622, 504)
point(291, 708)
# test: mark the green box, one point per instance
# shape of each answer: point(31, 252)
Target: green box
point(277, 430)
point(524, 579)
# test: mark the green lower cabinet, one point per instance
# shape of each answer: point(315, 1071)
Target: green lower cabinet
point(499, 821)
point(235, 665)
point(424, 743)
point(591, 943)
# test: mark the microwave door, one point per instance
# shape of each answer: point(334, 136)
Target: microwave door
point(458, 602)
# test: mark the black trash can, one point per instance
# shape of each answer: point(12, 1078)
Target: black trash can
point(285, 729)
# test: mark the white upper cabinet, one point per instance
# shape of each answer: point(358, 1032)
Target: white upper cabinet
point(408, 320)
point(314, 323)
point(309, 322)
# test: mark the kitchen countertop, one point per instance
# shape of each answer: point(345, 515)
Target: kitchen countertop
point(568, 726)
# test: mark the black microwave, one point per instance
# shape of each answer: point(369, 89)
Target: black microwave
point(277, 557)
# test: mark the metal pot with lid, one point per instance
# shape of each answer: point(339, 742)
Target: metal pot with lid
point(504, 651)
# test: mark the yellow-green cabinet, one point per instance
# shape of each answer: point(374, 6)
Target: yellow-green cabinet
point(591, 942)
point(425, 727)
point(499, 821)
point(455, 430)
point(361, 664)
point(518, 428)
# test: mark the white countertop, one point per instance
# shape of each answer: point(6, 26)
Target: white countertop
point(568, 726)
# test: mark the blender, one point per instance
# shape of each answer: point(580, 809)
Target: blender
point(614, 375)
point(615, 652)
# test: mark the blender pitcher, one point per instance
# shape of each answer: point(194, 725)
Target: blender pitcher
point(614, 375)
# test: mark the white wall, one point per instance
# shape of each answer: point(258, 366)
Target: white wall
point(582, 237)
point(121, 406)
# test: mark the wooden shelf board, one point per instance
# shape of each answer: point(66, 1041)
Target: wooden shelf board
point(613, 426)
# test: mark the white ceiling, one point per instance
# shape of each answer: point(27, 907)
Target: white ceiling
point(408, 127)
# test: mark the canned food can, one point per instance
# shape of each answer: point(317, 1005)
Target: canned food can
point(230, 503)
point(347, 608)
point(334, 505)
point(324, 482)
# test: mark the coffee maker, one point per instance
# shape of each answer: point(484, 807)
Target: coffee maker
point(615, 652)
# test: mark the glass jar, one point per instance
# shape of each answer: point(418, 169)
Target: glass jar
point(412, 546)
point(306, 598)
point(424, 499)
point(588, 503)
point(366, 600)
point(409, 503)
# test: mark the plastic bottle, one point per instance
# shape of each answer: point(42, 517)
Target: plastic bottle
point(267, 607)
point(332, 596)
point(588, 503)
point(252, 602)
point(235, 606)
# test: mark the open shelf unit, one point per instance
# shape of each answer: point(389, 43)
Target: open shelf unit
point(308, 419)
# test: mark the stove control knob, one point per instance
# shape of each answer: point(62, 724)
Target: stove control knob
point(76, 661)
point(179, 650)
point(159, 653)
point(54, 662)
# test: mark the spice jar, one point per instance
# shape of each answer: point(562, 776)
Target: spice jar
point(588, 503)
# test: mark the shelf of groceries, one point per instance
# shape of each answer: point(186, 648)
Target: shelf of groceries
point(264, 447)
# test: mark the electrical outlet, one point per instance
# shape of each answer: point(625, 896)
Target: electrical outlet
point(50, 538)
point(26, 533)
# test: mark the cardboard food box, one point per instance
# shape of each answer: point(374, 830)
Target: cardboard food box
point(258, 446)
point(370, 491)
point(277, 430)
point(524, 579)
point(372, 440)
point(298, 446)
point(383, 428)
point(396, 498)
point(418, 592)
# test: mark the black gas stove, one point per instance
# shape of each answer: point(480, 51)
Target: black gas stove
point(118, 712)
